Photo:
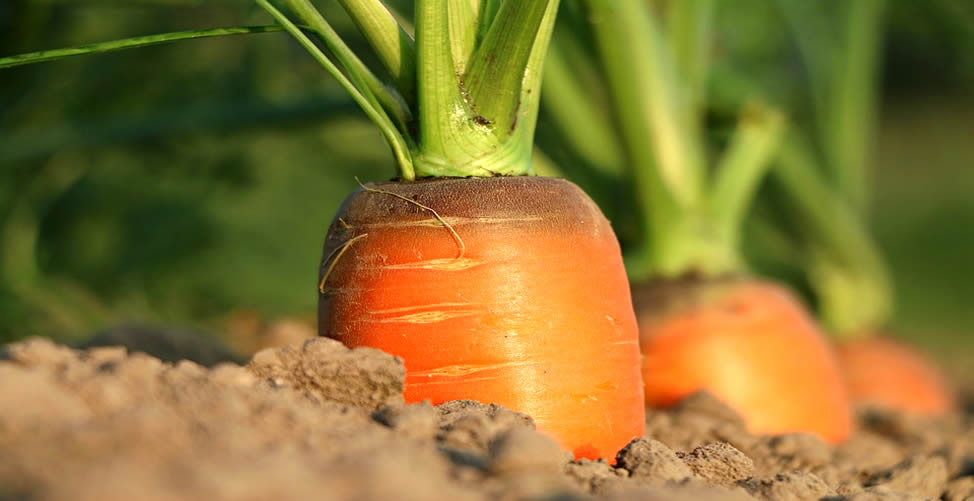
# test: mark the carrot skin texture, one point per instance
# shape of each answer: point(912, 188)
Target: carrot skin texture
point(750, 344)
point(884, 372)
point(535, 315)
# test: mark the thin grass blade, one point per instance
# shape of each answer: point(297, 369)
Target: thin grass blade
point(128, 43)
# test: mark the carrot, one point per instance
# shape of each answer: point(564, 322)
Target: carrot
point(490, 284)
point(884, 372)
point(507, 316)
point(824, 179)
point(707, 325)
point(752, 345)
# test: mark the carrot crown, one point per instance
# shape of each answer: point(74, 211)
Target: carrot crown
point(689, 214)
point(464, 93)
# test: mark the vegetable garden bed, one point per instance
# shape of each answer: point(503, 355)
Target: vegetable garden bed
point(320, 421)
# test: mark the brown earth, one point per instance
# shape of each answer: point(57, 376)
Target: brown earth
point(319, 421)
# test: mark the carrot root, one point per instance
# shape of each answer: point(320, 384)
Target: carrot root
point(534, 314)
point(750, 344)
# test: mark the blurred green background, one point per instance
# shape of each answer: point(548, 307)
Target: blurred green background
point(191, 184)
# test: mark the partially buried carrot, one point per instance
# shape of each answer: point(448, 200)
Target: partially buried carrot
point(491, 284)
point(749, 343)
point(884, 372)
point(824, 175)
point(525, 305)
point(706, 324)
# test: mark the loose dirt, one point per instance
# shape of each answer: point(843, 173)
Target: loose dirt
point(319, 421)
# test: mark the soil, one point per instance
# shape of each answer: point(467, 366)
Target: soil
point(320, 421)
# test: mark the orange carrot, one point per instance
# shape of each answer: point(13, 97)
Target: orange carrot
point(508, 290)
point(884, 372)
point(750, 344)
point(491, 284)
point(701, 328)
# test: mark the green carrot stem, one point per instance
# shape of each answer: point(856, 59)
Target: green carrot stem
point(456, 137)
point(814, 36)
point(359, 91)
point(487, 11)
point(496, 71)
point(128, 43)
point(690, 28)
point(852, 106)
point(463, 25)
point(742, 168)
point(448, 129)
point(845, 266)
point(570, 104)
point(642, 79)
point(522, 137)
point(363, 78)
point(395, 48)
point(664, 151)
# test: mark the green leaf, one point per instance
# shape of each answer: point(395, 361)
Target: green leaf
point(128, 43)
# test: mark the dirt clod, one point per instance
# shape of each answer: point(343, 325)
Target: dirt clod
point(650, 461)
point(719, 463)
point(326, 369)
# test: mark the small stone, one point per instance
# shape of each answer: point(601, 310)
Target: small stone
point(651, 461)
point(719, 463)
